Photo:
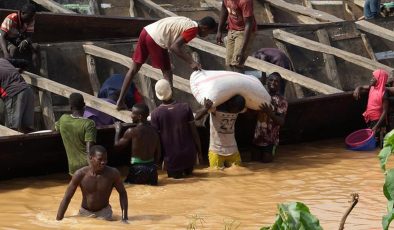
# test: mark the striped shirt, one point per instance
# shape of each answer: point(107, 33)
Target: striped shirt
point(14, 28)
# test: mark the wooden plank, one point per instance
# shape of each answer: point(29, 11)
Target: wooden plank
point(318, 47)
point(294, 8)
point(179, 83)
point(94, 81)
point(191, 9)
point(156, 8)
point(375, 30)
point(131, 9)
point(268, 67)
point(326, 3)
point(267, 9)
point(368, 47)
point(65, 91)
point(215, 4)
point(53, 6)
point(4, 131)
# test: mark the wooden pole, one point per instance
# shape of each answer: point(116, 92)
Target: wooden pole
point(4, 131)
point(368, 47)
point(94, 7)
point(94, 81)
point(131, 9)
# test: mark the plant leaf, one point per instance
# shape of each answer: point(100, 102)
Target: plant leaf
point(388, 187)
point(389, 139)
point(386, 220)
point(384, 155)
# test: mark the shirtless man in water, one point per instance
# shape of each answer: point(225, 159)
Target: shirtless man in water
point(145, 150)
point(96, 181)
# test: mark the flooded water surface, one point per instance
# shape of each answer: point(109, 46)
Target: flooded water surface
point(322, 175)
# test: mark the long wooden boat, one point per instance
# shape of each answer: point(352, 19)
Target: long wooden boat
point(315, 116)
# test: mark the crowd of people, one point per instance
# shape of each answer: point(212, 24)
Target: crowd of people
point(170, 138)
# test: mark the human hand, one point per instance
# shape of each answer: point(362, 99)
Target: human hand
point(265, 108)
point(23, 45)
point(374, 129)
point(121, 105)
point(219, 39)
point(207, 103)
point(356, 94)
point(118, 126)
point(7, 55)
point(195, 66)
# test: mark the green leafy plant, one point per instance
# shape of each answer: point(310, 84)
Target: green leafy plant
point(388, 187)
point(294, 216)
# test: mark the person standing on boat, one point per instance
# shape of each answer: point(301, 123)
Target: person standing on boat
point(378, 105)
point(241, 27)
point(178, 133)
point(156, 39)
point(145, 144)
point(277, 57)
point(269, 120)
point(371, 9)
point(78, 133)
point(17, 96)
point(16, 34)
point(223, 149)
point(96, 182)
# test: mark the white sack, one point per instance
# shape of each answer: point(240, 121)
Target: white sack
point(219, 86)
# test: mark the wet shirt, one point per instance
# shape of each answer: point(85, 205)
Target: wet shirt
point(11, 82)
point(75, 132)
point(267, 131)
point(173, 123)
point(100, 118)
point(222, 139)
point(165, 31)
point(237, 11)
point(14, 28)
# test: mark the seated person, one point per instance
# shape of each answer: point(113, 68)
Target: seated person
point(269, 120)
point(114, 84)
point(96, 182)
point(223, 150)
point(100, 118)
point(16, 32)
point(377, 107)
point(145, 147)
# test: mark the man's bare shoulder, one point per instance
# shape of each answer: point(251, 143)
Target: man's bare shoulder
point(111, 171)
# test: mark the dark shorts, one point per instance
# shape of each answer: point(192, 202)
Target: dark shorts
point(146, 47)
point(20, 110)
point(180, 173)
point(144, 173)
point(264, 154)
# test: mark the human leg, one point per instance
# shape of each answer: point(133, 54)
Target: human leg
point(233, 159)
point(28, 110)
point(215, 160)
point(230, 47)
point(145, 173)
point(175, 174)
point(13, 112)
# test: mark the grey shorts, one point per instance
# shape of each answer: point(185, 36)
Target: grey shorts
point(20, 110)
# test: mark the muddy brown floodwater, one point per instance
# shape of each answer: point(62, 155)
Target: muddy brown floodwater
point(320, 174)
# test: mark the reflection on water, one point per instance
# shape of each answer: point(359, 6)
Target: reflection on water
point(322, 175)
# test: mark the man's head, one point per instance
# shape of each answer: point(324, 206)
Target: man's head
point(206, 26)
point(139, 113)
point(163, 90)
point(97, 157)
point(273, 83)
point(235, 104)
point(28, 12)
point(76, 102)
point(114, 95)
point(20, 64)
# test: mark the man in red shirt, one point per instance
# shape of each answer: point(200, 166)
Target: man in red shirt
point(16, 31)
point(170, 33)
point(241, 25)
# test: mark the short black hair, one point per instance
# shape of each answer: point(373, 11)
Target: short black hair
point(19, 63)
point(275, 74)
point(96, 148)
point(76, 101)
point(28, 8)
point(208, 22)
point(237, 102)
point(142, 109)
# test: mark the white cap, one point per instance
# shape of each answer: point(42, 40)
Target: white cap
point(163, 90)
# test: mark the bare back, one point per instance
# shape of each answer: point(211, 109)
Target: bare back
point(145, 142)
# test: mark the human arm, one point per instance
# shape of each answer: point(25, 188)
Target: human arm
point(90, 136)
point(74, 183)
point(125, 140)
point(356, 92)
point(207, 105)
point(222, 21)
point(120, 104)
point(122, 196)
point(267, 109)
point(3, 44)
point(176, 48)
point(383, 116)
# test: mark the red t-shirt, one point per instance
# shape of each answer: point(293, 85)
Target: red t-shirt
point(237, 11)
